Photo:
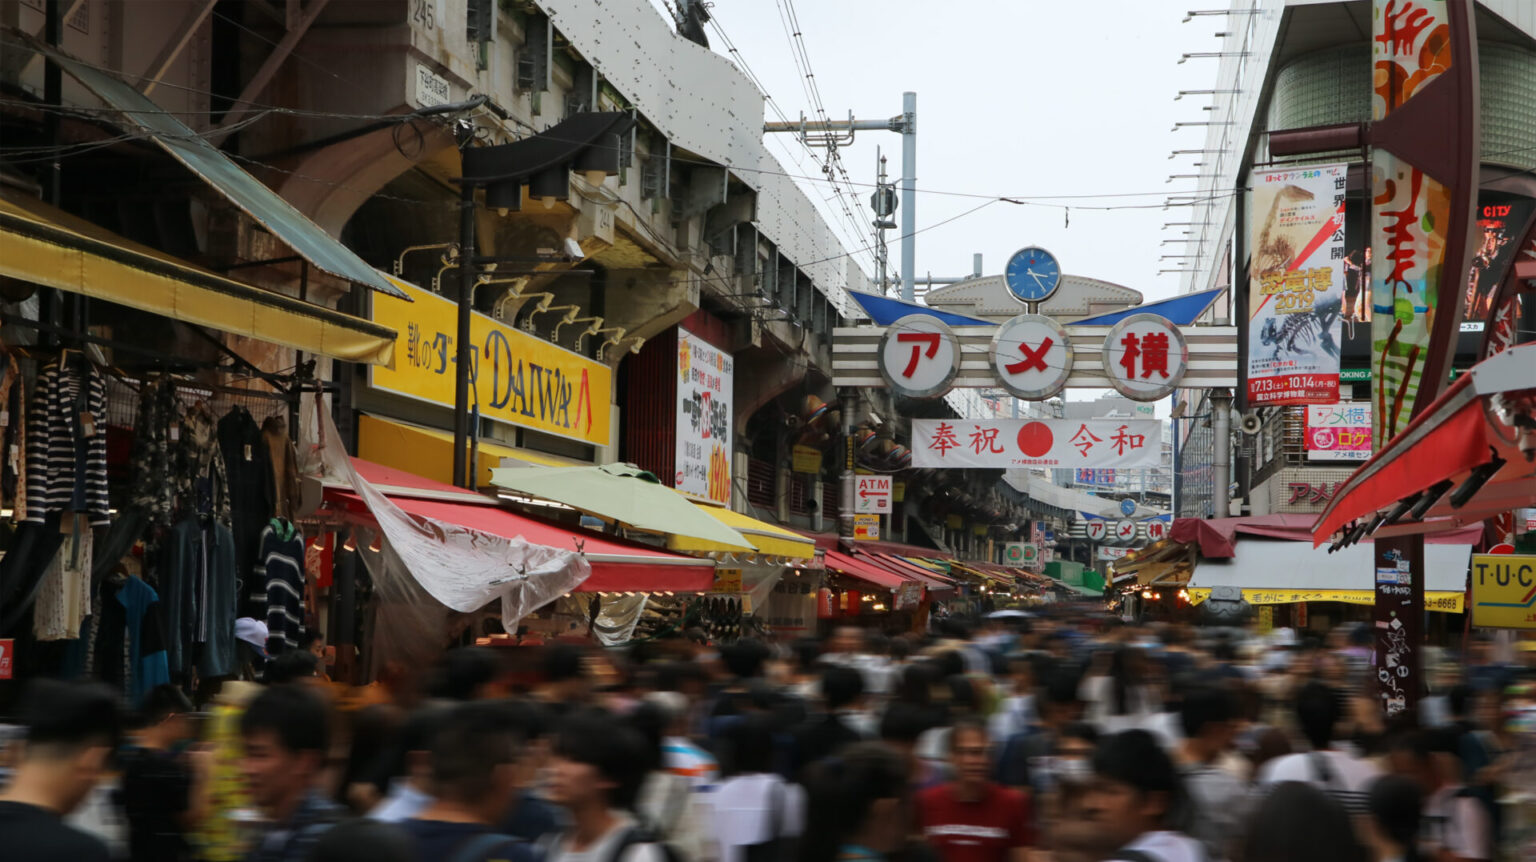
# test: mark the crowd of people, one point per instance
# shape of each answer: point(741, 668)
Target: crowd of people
point(1065, 737)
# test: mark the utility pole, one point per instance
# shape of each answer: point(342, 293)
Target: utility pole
point(834, 134)
point(883, 202)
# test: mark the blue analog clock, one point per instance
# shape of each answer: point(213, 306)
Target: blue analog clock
point(1032, 274)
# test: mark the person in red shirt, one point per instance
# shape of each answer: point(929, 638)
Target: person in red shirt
point(973, 819)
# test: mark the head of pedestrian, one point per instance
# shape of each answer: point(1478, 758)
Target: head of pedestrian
point(566, 679)
point(1430, 758)
point(1394, 808)
point(286, 736)
point(475, 761)
point(1072, 761)
point(842, 688)
point(970, 753)
point(72, 729)
point(164, 718)
point(1207, 715)
point(598, 764)
point(1318, 709)
point(467, 673)
point(857, 805)
point(1297, 820)
point(846, 640)
point(1135, 788)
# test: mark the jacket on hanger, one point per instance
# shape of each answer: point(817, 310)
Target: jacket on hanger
point(282, 573)
point(151, 460)
point(67, 442)
point(13, 436)
point(285, 466)
point(250, 486)
point(198, 580)
point(202, 483)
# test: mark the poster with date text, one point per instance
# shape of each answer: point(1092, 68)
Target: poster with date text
point(1296, 285)
point(703, 419)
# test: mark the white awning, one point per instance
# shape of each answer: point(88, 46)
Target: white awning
point(1265, 564)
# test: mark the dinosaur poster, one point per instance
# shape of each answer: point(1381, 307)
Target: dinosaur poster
point(1296, 285)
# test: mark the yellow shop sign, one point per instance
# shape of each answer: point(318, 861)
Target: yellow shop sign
point(519, 379)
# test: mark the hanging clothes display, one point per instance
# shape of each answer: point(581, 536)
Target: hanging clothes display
point(151, 455)
point(123, 642)
point(285, 465)
point(202, 481)
point(198, 580)
point(250, 489)
point(282, 574)
point(64, 597)
point(66, 451)
point(13, 437)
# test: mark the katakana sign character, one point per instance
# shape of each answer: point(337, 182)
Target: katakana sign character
point(1123, 441)
point(985, 440)
point(918, 339)
point(1132, 352)
point(1154, 354)
point(439, 346)
point(1033, 359)
point(1084, 440)
point(944, 438)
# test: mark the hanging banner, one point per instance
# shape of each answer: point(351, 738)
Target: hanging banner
point(1296, 285)
point(703, 419)
point(1339, 432)
point(1002, 443)
point(518, 378)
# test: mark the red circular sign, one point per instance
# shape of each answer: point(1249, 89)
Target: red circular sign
point(1035, 439)
point(1502, 548)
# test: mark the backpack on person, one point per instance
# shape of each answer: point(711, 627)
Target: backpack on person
point(638, 834)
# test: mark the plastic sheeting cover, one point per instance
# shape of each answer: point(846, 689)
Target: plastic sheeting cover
point(461, 568)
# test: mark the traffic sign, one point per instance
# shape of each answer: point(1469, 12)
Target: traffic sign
point(866, 528)
point(1125, 531)
point(1504, 591)
point(1157, 530)
point(1097, 530)
point(872, 494)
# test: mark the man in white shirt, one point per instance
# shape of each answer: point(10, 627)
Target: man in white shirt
point(1342, 775)
point(599, 765)
point(1131, 802)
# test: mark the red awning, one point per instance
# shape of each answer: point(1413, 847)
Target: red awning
point(617, 565)
point(864, 570)
point(1217, 537)
point(935, 582)
point(1445, 443)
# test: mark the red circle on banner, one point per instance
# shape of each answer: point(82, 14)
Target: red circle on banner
point(1502, 548)
point(1035, 439)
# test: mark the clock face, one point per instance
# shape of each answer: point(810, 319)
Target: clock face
point(1032, 274)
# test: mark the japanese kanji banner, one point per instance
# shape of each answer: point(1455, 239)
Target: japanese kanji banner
point(703, 418)
point(1002, 443)
point(1296, 285)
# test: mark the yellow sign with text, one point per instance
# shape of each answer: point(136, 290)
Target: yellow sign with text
point(1443, 601)
point(726, 581)
point(866, 528)
point(1504, 591)
point(517, 378)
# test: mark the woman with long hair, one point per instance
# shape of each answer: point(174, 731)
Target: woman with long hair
point(1299, 821)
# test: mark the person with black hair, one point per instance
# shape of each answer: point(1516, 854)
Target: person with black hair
point(363, 840)
point(1207, 717)
point(71, 731)
point(164, 789)
point(293, 666)
point(598, 767)
point(286, 736)
point(467, 673)
point(474, 777)
point(972, 819)
point(1298, 821)
point(1136, 802)
point(856, 806)
point(1391, 828)
point(670, 801)
point(408, 769)
point(1118, 691)
point(531, 816)
point(842, 695)
point(756, 815)
point(1319, 708)
point(1455, 824)
point(1018, 764)
point(900, 728)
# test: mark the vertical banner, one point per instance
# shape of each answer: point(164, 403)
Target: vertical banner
point(703, 419)
point(1296, 285)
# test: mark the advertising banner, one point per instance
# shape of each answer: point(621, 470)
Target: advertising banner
point(1339, 432)
point(1002, 443)
point(703, 419)
point(518, 378)
point(1504, 591)
point(1296, 285)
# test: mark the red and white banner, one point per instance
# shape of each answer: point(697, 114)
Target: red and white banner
point(1002, 443)
point(1296, 285)
point(1339, 432)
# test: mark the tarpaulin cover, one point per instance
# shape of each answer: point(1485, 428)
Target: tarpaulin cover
point(462, 568)
point(1216, 537)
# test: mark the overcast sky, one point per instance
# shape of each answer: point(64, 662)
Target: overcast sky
point(1015, 97)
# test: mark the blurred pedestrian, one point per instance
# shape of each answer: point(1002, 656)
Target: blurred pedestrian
point(973, 819)
point(71, 731)
point(598, 767)
point(1319, 709)
point(286, 734)
point(757, 816)
point(1136, 804)
point(857, 806)
point(1391, 827)
point(164, 788)
point(1300, 821)
point(474, 756)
